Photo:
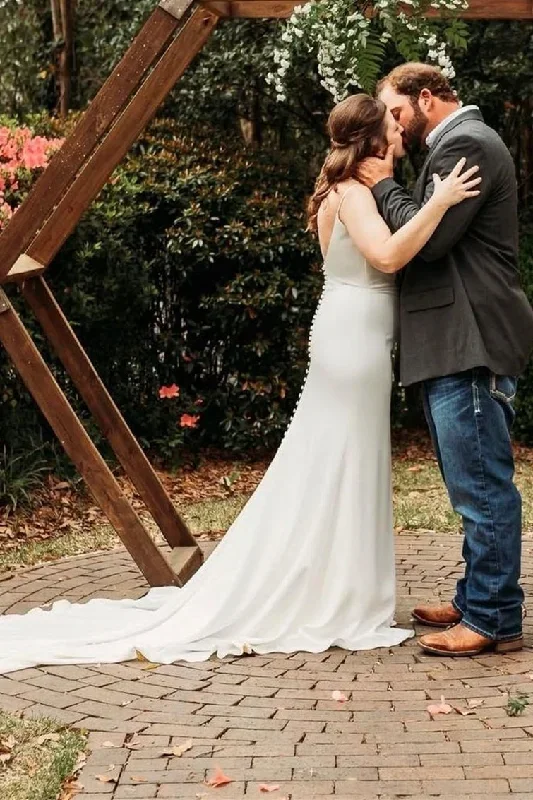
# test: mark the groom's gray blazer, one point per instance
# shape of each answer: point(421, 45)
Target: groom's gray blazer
point(461, 305)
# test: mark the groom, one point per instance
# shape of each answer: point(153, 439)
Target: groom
point(466, 334)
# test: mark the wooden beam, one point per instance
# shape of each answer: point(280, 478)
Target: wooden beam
point(280, 9)
point(23, 268)
point(112, 98)
point(111, 422)
point(119, 139)
point(77, 444)
point(498, 9)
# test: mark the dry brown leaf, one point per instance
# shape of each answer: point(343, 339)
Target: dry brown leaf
point(474, 703)
point(268, 787)
point(439, 708)
point(70, 789)
point(137, 779)
point(179, 750)
point(48, 737)
point(5, 757)
point(105, 779)
point(464, 712)
point(8, 743)
point(219, 779)
point(139, 656)
point(81, 760)
point(399, 529)
point(340, 697)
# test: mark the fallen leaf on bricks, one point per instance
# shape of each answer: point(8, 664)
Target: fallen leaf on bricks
point(440, 708)
point(339, 696)
point(219, 779)
point(464, 712)
point(179, 750)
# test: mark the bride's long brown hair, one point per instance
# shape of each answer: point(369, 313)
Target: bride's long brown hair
point(357, 129)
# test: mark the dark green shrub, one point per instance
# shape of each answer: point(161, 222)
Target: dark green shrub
point(194, 268)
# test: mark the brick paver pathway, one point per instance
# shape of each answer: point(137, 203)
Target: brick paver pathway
point(272, 719)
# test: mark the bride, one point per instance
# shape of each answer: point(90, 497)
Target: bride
point(309, 563)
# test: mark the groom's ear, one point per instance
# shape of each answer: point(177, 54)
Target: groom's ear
point(426, 100)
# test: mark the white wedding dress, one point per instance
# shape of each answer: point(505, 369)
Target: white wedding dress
point(309, 562)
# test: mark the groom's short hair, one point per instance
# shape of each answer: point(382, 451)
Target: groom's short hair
point(409, 79)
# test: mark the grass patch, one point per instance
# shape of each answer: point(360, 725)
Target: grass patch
point(213, 515)
point(421, 501)
point(203, 517)
point(36, 757)
point(98, 537)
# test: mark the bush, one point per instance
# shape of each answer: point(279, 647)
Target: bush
point(193, 268)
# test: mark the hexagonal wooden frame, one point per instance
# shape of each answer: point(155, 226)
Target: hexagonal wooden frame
point(171, 37)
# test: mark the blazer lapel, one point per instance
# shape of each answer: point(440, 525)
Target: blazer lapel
point(454, 123)
point(420, 186)
point(419, 191)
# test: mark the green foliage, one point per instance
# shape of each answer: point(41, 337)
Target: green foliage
point(104, 31)
point(21, 473)
point(517, 704)
point(193, 267)
point(23, 55)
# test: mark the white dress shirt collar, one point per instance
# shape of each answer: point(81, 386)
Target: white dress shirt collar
point(431, 137)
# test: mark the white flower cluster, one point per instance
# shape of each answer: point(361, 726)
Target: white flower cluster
point(348, 43)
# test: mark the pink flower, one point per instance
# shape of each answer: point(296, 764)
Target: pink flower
point(189, 420)
point(169, 391)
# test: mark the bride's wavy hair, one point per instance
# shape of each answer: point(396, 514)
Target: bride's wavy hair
point(357, 129)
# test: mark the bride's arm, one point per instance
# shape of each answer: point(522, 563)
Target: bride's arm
point(390, 252)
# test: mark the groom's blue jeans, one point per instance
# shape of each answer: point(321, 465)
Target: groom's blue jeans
point(470, 417)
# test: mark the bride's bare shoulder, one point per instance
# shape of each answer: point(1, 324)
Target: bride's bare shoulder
point(332, 201)
point(329, 209)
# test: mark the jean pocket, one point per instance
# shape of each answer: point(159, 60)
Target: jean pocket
point(503, 387)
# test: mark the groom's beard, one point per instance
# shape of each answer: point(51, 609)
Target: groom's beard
point(414, 134)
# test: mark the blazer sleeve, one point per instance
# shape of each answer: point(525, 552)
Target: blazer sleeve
point(397, 206)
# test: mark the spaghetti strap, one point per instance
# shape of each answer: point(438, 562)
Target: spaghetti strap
point(351, 188)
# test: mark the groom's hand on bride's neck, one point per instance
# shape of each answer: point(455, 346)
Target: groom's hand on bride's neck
point(372, 170)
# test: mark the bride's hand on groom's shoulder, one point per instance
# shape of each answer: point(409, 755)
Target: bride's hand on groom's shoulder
point(458, 186)
point(375, 169)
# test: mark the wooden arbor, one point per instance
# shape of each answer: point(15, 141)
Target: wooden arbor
point(171, 37)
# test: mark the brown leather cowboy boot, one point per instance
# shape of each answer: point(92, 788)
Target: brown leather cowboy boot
point(441, 616)
point(461, 641)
